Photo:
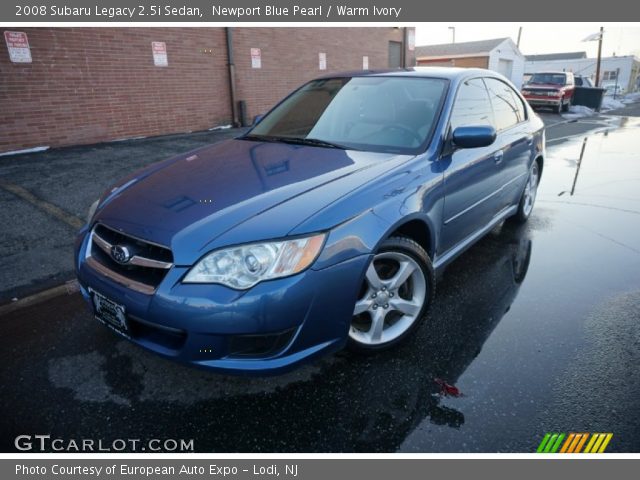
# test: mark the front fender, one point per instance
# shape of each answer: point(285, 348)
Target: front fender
point(357, 236)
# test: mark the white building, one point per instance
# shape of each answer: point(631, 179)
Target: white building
point(500, 55)
point(625, 69)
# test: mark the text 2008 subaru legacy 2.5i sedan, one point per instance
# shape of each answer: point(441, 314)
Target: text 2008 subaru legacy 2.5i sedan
point(324, 226)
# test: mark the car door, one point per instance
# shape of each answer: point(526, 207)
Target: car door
point(514, 139)
point(471, 176)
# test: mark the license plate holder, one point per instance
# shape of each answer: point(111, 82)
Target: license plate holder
point(110, 313)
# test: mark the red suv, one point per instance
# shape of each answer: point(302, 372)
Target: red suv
point(550, 89)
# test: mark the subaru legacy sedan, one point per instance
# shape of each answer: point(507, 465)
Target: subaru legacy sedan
point(325, 226)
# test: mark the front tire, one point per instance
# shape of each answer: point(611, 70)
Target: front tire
point(528, 199)
point(397, 290)
point(558, 108)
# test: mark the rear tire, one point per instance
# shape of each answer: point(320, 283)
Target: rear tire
point(397, 290)
point(528, 198)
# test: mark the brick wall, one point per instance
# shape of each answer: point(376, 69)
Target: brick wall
point(88, 85)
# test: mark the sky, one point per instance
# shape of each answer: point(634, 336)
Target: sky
point(619, 38)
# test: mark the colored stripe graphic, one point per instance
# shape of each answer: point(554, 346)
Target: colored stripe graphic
point(556, 445)
point(590, 444)
point(574, 442)
point(606, 442)
point(581, 443)
point(567, 443)
point(543, 443)
point(551, 443)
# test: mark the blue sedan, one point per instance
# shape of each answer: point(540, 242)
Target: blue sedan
point(324, 226)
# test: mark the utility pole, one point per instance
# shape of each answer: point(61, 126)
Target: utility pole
point(599, 57)
point(453, 32)
point(519, 36)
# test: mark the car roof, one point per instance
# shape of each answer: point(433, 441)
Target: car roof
point(450, 73)
point(549, 71)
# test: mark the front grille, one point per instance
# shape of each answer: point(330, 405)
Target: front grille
point(145, 268)
point(541, 92)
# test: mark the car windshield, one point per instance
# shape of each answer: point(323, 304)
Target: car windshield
point(552, 78)
point(373, 113)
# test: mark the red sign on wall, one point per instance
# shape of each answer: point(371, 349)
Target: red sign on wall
point(18, 46)
point(159, 50)
point(256, 58)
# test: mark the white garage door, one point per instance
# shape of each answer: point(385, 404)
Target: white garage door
point(505, 67)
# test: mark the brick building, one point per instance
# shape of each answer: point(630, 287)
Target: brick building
point(88, 85)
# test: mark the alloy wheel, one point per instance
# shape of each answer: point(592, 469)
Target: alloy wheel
point(531, 189)
point(391, 299)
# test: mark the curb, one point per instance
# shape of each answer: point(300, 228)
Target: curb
point(68, 288)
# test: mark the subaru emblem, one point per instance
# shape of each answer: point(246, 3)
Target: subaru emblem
point(120, 253)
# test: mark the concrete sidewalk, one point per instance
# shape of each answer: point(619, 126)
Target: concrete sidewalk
point(45, 196)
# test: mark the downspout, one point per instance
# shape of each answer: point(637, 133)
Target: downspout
point(404, 47)
point(232, 78)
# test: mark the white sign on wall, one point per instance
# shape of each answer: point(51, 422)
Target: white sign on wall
point(18, 46)
point(365, 63)
point(256, 58)
point(411, 40)
point(322, 61)
point(159, 50)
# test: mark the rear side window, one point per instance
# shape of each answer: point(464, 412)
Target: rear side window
point(472, 105)
point(508, 109)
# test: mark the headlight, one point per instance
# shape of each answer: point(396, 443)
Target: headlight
point(244, 266)
point(92, 210)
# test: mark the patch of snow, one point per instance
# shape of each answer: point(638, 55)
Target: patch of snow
point(220, 127)
point(578, 111)
point(609, 103)
point(631, 98)
point(26, 150)
point(124, 139)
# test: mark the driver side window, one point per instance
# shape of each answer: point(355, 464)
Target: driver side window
point(472, 105)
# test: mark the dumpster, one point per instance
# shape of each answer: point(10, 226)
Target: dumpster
point(589, 97)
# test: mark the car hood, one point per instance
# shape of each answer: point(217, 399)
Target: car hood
point(190, 200)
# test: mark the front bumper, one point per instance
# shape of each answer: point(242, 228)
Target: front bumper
point(267, 329)
point(544, 101)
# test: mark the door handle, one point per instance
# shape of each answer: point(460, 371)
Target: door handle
point(498, 156)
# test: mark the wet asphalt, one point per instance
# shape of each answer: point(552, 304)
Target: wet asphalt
point(537, 326)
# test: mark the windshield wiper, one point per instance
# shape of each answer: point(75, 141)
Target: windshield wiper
point(315, 142)
point(259, 138)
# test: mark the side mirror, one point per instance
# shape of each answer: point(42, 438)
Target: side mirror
point(257, 119)
point(474, 136)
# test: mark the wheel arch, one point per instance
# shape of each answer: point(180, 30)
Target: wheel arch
point(417, 229)
point(540, 160)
